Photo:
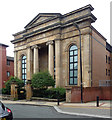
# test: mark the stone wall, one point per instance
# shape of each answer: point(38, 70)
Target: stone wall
point(43, 59)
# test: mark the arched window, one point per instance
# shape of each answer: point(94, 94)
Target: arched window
point(24, 69)
point(73, 65)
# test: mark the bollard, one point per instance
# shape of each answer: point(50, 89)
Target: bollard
point(58, 99)
point(97, 101)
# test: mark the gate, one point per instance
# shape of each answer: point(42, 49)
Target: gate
point(21, 94)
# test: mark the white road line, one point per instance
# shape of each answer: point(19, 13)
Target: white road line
point(80, 114)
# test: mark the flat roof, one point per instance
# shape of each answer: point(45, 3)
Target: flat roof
point(3, 45)
point(10, 58)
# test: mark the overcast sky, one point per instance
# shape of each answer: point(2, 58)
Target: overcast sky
point(15, 14)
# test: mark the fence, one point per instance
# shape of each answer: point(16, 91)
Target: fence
point(105, 83)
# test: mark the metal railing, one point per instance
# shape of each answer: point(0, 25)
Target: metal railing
point(105, 82)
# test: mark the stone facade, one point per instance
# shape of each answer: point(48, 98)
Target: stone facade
point(46, 41)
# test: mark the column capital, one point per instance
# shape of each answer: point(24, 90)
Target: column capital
point(35, 46)
point(49, 42)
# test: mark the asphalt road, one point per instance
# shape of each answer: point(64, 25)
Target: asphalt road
point(26, 112)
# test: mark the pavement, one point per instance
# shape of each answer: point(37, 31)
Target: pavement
point(88, 109)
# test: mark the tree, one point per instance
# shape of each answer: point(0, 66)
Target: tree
point(42, 80)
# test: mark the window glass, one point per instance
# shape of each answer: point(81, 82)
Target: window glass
point(73, 65)
point(71, 59)
point(75, 73)
point(8, 62)
point(71, 73)
point(24, 69)
point(71, 81)
point(75, 81)
point(71, 53)
point(106, 58)
point(73, 47)
point(106, 71)
point(75, 58)
point(8, 73)
point(75, 52)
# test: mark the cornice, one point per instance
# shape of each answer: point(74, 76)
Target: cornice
point(21, 32)
point(80, 9)
point(57, 25)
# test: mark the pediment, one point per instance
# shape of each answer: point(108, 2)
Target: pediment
point(41, 17)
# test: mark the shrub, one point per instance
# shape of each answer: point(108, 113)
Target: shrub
point(19, 82)
point(39, 92)
point(52, 93)
point(56, 93)
point(4, 91)
point(42, 80)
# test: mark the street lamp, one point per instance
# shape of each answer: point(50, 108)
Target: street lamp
point(76, 25)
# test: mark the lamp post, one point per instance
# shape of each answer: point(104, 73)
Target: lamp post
point(76, 25)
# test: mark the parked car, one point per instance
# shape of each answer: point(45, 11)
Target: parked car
point(5, 113)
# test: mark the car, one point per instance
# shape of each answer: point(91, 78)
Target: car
point(5, 113)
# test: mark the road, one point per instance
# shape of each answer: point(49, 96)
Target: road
point(28, 111)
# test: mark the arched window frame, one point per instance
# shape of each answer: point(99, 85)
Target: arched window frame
point(73, 65)
point(23, 68)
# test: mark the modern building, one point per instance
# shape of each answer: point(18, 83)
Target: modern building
point(6, 65)
point(51, 41)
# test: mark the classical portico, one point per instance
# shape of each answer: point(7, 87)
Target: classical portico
point(34, 59)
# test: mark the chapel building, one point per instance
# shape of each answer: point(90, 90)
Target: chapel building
point(51, 41)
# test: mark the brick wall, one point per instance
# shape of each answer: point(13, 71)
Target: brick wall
point(98, 58)
point(0, 66)
point(4, 67)
point(3, 62)
point(10, 68)
point(90, 94)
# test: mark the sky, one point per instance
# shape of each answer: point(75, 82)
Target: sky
point(16, 14)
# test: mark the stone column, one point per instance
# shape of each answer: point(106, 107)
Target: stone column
point(19, 67)
point(58, 62)
point(36, 58)
point(14, 93)
point(50, 57)
point(68, 94)
point(29, 63)
point(15, 63)
point(28, 90)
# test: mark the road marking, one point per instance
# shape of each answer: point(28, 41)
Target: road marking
point(80, 114)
